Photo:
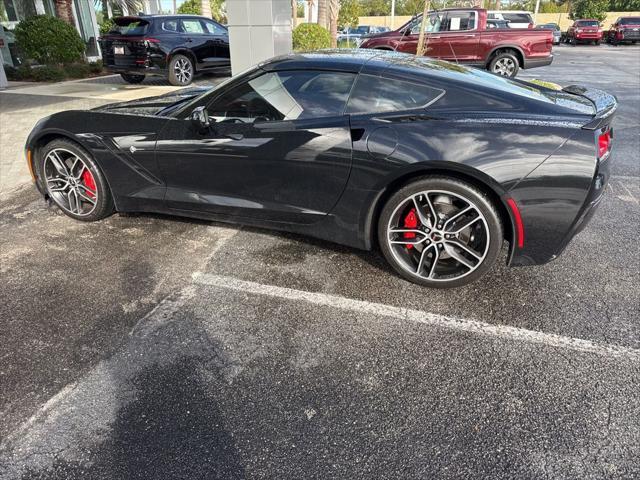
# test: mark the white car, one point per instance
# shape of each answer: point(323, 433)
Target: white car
point(516, 18)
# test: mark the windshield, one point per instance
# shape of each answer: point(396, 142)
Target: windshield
point(129, 26)
point(630, 21)
point(550, 26)
point(587, 23)
point(362, 29)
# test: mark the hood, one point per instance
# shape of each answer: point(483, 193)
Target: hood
point(390, 33)
point(153, 105)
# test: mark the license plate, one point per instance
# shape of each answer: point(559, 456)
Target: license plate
point(118, 50)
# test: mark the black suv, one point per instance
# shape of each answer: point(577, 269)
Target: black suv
point(176, 46)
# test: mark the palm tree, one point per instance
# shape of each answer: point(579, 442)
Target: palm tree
point(334, 10)
point(322, 13)
point(64, 11)
point(206, 8)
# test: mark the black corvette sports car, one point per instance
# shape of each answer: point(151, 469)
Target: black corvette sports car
point(434, 163)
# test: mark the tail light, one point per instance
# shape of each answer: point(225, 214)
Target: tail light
point(604, 143)
point(530, 25)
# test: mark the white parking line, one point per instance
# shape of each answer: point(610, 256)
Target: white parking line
point(451, 323)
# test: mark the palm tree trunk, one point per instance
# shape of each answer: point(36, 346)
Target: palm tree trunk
point(294, 14)
point(206, 8)
point(64, 11)
point(322, 13)
point(334, 10)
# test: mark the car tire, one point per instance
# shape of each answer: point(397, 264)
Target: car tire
point(445, 194)
point(505, 63)
point(597, 42)
point(181, 70)
point(87, 196)
point(131, 78)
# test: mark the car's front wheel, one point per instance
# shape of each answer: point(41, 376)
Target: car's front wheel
point(181, 70)
point(131, 78)
point(505, 64)
point(74, 182)
point(440, 232)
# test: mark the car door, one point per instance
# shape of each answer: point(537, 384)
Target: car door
point(279, 149)
point(194, 38)
point(460, 36)
point(219, 38)
point(434, 47)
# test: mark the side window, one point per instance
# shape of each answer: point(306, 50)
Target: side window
point(170, 26)
point(433, 25)
point(378, 94)
point(457, 21)
point(213, 28)
point(287, 95)
point(192, 26)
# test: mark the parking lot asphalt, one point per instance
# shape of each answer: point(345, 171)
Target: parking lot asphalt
point(152, 347)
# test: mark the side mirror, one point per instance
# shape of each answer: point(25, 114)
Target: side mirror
point(200, 118)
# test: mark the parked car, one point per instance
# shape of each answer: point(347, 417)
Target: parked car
point(436, 163)
point(555, 29)
point(584, 30)
point(174, 46)
point(358, 32)
point(624, 30)
point(461, 35)
point(516, 18)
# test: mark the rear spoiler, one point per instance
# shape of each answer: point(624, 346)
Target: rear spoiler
point(604, 103)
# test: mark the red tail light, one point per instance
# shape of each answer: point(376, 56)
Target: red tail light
point(517, 220)
point(530, 25)
point(152, 40)
point(604, 144)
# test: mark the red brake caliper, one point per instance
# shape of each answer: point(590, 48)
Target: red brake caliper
point(89, 182)
point(411, 221)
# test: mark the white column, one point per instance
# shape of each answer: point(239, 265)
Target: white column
point(258, 30)
point(3, 76)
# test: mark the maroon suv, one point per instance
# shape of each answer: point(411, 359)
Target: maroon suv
point(584, 30)
point(624, 30)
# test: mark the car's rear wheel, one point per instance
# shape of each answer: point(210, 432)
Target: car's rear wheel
point(131, 78)
point(74, 182)
point(181, 70)
point(440, 232)
point(505, 64)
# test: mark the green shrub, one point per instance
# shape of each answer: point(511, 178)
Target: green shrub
point(47, 73)
point(96, 67)
point(49, 40)
point(311, 36)
point(106, 26)
point(77, 70)
point(23, 72)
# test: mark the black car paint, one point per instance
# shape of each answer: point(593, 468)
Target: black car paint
point(149, 54)
point(540, 154)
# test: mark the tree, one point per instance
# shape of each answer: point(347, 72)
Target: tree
point(409, 7)
point(322, 13)
point(624, 5)
point(596, 9)
point(334, 12)
point(372, 8)
point(194, 7)
point(349, 13)
point(64, 11)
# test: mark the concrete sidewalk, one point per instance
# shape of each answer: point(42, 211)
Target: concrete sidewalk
point(24, 103)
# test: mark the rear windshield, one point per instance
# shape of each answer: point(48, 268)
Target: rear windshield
point(587, 23)
point(550, 26)
point(129, 26)
point(517, 17)
point(630, 21)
